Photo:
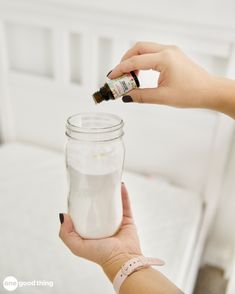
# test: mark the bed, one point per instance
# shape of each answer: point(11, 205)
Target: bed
point(33, 190)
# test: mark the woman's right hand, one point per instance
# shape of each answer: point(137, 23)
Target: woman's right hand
point(181, 83)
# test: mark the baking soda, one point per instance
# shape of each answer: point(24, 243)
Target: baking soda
point(95, 203)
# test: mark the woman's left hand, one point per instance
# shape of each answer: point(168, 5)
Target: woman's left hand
point(110, 253)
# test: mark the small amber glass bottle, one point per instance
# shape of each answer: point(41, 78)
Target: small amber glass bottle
point(116, 88)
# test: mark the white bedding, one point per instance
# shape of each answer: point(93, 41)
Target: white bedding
point(33, 192)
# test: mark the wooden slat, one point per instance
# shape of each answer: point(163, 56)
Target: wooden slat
point(61, 56)
point(6, 115)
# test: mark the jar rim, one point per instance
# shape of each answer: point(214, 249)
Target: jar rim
point(80, 128)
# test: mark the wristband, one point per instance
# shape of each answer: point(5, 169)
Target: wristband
point(131, 266)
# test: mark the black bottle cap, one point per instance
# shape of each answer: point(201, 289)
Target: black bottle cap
point(135, 78)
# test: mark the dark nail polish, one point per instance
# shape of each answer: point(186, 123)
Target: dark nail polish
point(127, 99)
point(61, 218)
point(109, 72)
point(122, 183)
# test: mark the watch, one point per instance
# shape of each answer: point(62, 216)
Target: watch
point(131, 266)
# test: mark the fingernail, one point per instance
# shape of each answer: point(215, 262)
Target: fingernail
point(109, 73)
point(61, 218)
point(123, 183)
point(127, 99)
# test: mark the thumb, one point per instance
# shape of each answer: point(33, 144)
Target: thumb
point(147, 95)
point(68, 235)
point(126, 205)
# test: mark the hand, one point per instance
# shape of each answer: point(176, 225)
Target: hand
point(109, 253)
point(181, 83)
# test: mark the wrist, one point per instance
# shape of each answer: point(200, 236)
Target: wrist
point(113, 265)
point(223, 90)
point(218, 96)
point(209, 96)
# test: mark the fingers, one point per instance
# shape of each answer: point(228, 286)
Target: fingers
point(149, 95)
point(143, 48)
point(70, 237)
point(126, 205)
point(139, 62)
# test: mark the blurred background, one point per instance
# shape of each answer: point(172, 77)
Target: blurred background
point(53, 55)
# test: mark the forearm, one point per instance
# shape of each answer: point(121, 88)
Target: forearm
point(148, 281)
point(143, 281)
point(224, 96)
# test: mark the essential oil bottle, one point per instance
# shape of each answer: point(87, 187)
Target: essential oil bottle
point(116, 88)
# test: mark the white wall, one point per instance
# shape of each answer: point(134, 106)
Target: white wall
point(208, 12)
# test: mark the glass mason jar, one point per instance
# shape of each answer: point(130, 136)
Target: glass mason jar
point(94, 156)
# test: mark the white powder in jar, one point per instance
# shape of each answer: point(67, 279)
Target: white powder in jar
point(95, 203)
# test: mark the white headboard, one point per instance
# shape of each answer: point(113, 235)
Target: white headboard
point(54, 57)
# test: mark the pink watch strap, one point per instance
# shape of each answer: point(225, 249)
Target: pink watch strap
point(131, 266)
